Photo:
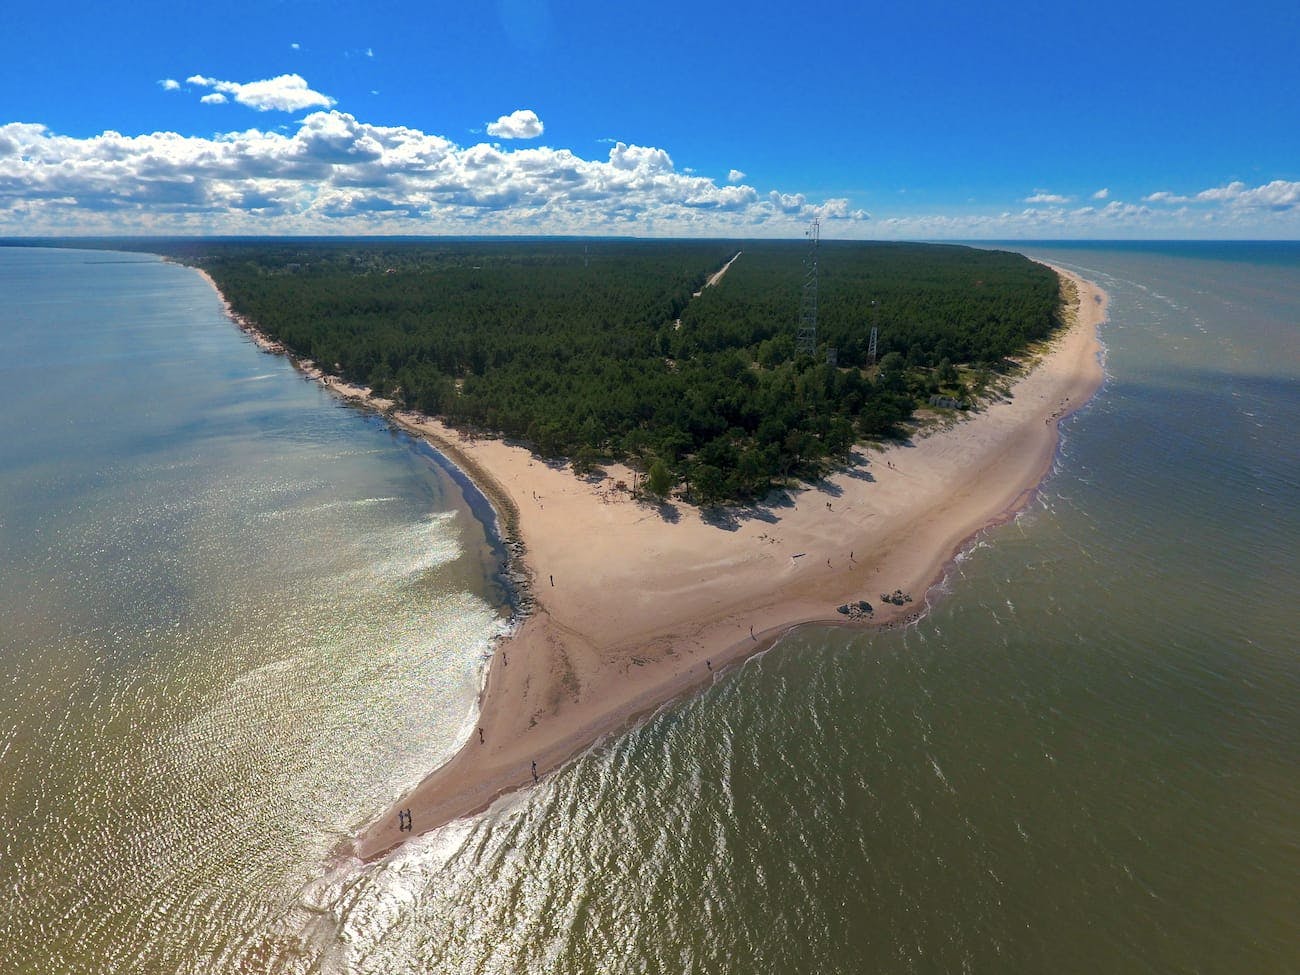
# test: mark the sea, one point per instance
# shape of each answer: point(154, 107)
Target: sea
point(238, 617)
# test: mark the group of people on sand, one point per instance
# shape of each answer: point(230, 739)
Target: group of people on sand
point(404, 820)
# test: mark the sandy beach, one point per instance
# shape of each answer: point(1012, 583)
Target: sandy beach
point(635, 604)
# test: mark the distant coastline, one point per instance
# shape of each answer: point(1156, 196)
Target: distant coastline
point(627, 606)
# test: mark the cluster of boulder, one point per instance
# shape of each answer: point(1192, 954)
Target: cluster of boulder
point(521, 590)
point(861, 609)
point(856, 611)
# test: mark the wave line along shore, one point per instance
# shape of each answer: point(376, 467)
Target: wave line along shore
point(632, 605)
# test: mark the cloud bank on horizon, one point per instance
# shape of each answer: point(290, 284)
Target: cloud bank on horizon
point(337, 174)
point(334, 173)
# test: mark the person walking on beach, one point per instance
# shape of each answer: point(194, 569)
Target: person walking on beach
point(480, 736)
point(534, 773)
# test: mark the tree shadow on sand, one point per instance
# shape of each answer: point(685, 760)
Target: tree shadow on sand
point(779, 501)
point(731, 517)
point(662, 507)
point(726, 518)
point(858, 467)
point(823, 486)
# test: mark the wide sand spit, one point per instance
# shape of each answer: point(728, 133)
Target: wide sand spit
point(633, 604)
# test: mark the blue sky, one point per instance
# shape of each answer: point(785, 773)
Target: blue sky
point(918, 120)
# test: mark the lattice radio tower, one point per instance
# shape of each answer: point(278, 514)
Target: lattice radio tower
point(875, 330)
point(806, 342)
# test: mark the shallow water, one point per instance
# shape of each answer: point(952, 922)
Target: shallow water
point(236, 617)
point(231, 648)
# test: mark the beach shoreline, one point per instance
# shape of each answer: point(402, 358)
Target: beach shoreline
point(629, 606)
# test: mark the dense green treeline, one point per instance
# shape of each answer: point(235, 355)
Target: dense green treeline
point(597, 349)
point(934, 302)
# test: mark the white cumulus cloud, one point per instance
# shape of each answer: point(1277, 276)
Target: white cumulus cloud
point(788, 202)
point(285, 93)
point(735, 176)
point(645, 158)
point(520, 124)
point(838, 208)
point(1102, 193)
point(1271, 210)
point(1233, 191)
point(1043, 196)
point(1279, 195)
point(169, 84)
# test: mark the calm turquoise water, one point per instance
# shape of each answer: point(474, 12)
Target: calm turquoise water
point(238, 615)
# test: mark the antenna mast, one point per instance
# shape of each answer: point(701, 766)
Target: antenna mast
point(806, 343)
